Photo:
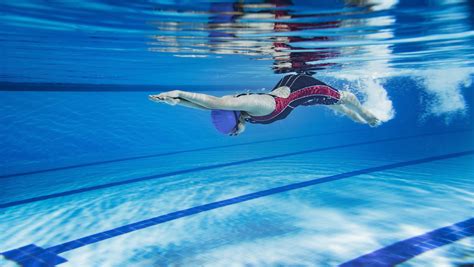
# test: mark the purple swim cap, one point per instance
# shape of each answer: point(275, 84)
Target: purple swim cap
point(225, 121)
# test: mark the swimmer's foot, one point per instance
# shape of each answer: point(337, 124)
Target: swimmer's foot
point(370, 118)
point(374, 122)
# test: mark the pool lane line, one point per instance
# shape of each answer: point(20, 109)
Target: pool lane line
point(202, 168)
point(4, 176)
point(404, 250)
point(32, 254)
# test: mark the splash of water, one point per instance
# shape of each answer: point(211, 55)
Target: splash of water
point(443, 87)
point(376, 99)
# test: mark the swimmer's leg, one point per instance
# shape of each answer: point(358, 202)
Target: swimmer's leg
point(348, 112)
point(349, 100)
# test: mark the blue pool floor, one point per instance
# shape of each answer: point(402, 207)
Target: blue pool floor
point(268, 211)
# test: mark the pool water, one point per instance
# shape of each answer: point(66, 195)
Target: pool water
point(94, 174)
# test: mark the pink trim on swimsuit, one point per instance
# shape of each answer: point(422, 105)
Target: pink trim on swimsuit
point(323, 93)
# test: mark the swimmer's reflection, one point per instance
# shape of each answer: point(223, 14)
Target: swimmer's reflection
point(301, 61)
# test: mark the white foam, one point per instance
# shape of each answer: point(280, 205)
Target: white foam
point(443, 87)
point(376, 99)
point(367, 79)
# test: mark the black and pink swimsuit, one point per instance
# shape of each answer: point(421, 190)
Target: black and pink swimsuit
point(304, 90)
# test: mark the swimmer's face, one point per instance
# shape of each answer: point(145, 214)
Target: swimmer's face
point(240, 127)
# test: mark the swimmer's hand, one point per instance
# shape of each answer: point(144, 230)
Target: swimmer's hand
point(169, 94)
point(160, 98)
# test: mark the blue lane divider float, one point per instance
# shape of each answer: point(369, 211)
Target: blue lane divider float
point(44, 257)
point(209, 167)
point(404, 250)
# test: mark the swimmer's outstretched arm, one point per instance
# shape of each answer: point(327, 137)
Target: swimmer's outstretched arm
point(254, 104)
point(213, 102)
point(194, 99)
point(160, 98)
point(176, 101)
point(188, 104)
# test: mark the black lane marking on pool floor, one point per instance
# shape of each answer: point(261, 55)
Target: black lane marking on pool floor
point(24, 257)
point(163, 154)
point(209, 167)
point(409, 248)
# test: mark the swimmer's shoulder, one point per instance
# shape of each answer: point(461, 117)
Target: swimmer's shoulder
point(282, 91)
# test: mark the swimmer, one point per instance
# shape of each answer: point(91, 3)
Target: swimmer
point(230, 113)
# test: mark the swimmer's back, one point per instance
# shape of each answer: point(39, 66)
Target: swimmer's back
point(299, 81)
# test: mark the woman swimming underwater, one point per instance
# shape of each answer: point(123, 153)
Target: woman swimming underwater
point(230, 113)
